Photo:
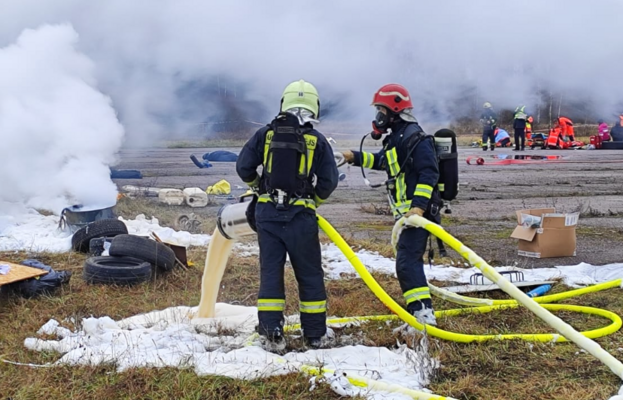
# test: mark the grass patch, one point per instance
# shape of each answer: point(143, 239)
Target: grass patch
point(166, 383)
point(510, 370)
point(597, 232)
point(515, 370)
point(375, 225)
point(501, 234)
point(21, 318)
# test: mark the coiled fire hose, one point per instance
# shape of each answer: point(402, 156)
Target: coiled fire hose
point(566, 332)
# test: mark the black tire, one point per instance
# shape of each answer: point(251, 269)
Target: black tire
point(144, 249)
point(96, 246)
point(116, 270)
point(102, 228)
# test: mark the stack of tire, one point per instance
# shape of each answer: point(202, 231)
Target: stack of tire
point(132, 259)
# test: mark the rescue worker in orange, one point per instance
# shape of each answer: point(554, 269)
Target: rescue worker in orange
point(566, 128)
point(561, 135)
point(529, 122)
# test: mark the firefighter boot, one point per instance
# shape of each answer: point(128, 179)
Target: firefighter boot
point(313, 342)
point(425, 316)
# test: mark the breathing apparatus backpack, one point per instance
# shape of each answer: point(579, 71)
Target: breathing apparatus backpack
point(288, 155)
point(447, 157)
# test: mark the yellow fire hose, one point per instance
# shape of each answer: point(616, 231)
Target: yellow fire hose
point(582, 339)
point(566, 331)
point(361, 381)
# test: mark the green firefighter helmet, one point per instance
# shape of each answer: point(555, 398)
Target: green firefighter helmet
point(301, 94)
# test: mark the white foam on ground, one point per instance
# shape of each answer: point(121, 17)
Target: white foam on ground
point(571, 275)
point(619, 396)
point(223, 346)
point(336, 266)
point(144, 227)
point(33, 232)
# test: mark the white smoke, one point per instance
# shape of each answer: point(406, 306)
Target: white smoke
point(58, 133)
point(149, 57)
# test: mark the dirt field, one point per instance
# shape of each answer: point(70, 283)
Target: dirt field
point(483, 216)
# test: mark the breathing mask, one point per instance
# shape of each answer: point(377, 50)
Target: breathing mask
point(381, 123)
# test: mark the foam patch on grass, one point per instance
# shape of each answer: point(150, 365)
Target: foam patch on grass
point(226, 346)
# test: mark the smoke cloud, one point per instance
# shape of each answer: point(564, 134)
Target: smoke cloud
point(168, 65)
point(58, 133)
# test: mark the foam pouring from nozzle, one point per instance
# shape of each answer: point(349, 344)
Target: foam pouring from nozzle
point(232, 221)
point(231, 225)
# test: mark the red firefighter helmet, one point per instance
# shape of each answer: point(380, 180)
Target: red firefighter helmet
point(393, 96)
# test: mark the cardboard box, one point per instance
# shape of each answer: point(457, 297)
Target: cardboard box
point(549, 235)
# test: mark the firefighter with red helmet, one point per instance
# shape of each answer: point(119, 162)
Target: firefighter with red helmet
point(409, 158)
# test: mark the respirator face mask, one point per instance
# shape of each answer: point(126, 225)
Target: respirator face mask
point(381, 123)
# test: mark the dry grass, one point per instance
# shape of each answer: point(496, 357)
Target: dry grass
point(509, 370)
point(21, 318)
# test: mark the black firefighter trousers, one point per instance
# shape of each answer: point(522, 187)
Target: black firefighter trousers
point(488, 134)
point(299, 239)
point(520, 136)
point(410, 268)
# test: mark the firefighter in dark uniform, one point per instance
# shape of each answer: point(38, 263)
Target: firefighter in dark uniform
point(299, 173)
point(489, 121)
point(409, 158)
point(519, 125)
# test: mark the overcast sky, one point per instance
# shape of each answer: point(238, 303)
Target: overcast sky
point(146, 53)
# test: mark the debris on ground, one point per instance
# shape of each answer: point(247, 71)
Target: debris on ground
point(46, 282)
point(221, 187)
point(125, 174)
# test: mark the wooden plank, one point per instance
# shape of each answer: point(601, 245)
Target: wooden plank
point(493, 286)
point(19, 273)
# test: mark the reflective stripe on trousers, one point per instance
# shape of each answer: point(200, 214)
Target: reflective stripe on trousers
point(271, 304)
point(313, 307)
point(417, 294)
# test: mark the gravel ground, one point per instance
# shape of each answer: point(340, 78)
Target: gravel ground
point(482, 217)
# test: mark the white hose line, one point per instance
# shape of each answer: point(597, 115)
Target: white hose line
point(562, 327)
